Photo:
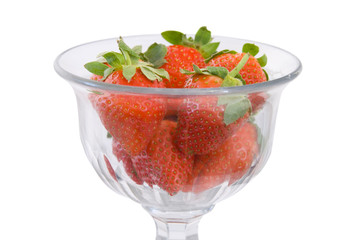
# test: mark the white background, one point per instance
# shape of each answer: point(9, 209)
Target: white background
point(309, 187)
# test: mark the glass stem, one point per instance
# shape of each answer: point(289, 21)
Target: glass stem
point(177, 225)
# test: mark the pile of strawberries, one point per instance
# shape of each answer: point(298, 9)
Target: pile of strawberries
point(190, 143)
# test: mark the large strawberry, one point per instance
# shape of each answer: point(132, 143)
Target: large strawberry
point(230, 162)
point(252, 71)
point(131, 119)
point(184, 52)
point(162, 164)
point(205, 122)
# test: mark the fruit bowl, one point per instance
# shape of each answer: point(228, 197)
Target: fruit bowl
point(173, 150)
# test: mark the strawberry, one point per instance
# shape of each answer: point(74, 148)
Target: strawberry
point(131, 119)
point(205, 122)
point(180, 57)
point(201, 124)
point(162, 164)
point(184, 52)
point(230, 162)
point(251, 72)
point(121, 155)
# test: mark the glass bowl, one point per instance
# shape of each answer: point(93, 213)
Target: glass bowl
point(160, 163)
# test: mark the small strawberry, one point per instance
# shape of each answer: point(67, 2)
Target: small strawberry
point(121, 155)
point(230, 162)
point(162, 164)
point(205, 122)
point(252, 72)
point(184, 53)
point(131, 119)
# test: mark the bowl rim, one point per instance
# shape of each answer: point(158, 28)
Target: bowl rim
point(78, 80)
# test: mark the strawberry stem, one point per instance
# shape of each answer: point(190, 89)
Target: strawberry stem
point(239, 66)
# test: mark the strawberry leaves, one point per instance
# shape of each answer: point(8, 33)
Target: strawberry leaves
point(155, 54)
point(97, 68)
point(129, 60)
point(253, 50)
point(236, 107)
point(202, 41)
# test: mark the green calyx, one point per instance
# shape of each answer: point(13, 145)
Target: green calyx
point(253, 50)
point(202, 41)
point(230, 79)
point(129, 59)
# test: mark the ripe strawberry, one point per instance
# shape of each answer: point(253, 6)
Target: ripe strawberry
point(185, 52)
point(251, 72)
point(204, 123)
point(180, 57)
point(230, 162)
point(121, 155)
point(202, 126)
point(131, 119)
point(162, 163)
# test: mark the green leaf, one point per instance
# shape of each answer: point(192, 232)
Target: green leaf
point(203, 36)
point(197, 69)
point(155, 54)
point(154, 73)
point(250, 48)
point(185, 71)
point(161, 73)
point(173, 37)
point(96, 68)
point(218, 71)
point(265, 72)
point(262, 60)
point(137, 49)
point(107, 73)
point(129, 71)
point(130, 56)
point(236, 109)
point(209, 49)
point(219, 53)
point(115, 59)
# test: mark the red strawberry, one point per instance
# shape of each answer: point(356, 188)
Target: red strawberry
point(202, 126)
point(185, 52)
point(204, 123)
point(131, 119)
point(180, 57)
point(252, 71)
point(162, 163)
point(230, 162)
point(121, 155)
